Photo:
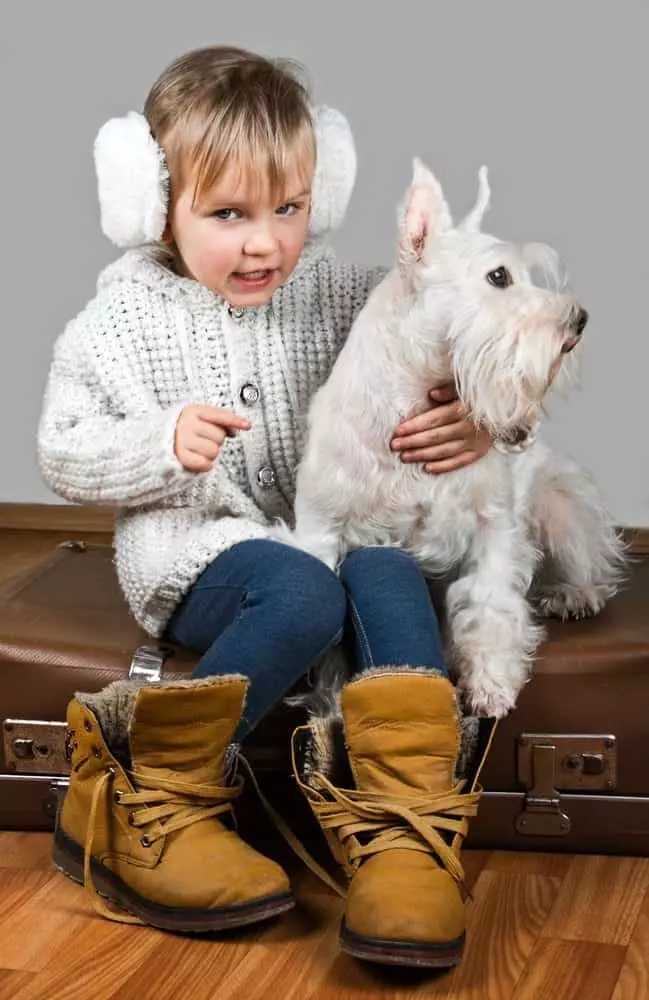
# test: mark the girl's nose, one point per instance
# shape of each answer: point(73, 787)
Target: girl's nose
point(261, 241)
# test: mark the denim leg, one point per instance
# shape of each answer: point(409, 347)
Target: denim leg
point(391, 618)
point(264, 610)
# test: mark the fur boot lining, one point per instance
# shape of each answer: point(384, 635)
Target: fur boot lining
point(400, 670)
point(114, 705)
point(325, 746)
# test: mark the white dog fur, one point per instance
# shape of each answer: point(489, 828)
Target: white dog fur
point(515, 526)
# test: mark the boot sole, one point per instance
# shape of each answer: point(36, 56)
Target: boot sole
point(67, 856)
point(407, 953)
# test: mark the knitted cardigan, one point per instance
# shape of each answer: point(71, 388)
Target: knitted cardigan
point(149, 343)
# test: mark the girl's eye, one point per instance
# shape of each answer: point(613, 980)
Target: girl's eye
point(226, 214)
point(289, 209)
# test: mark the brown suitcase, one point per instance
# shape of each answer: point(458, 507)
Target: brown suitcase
point(566, 770)
point(65, 627)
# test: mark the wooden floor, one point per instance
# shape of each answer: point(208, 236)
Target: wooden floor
point(541, 927)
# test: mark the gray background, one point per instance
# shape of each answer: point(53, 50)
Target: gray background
point(552, 97)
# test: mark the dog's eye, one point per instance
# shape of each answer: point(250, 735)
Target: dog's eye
point(500, 278)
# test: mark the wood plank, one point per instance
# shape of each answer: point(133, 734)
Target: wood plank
point(56, 517)
point(289, 958)
point(570, 970)
point(597, 886)
point(504, 923)
point(93, 961)
point(529, 863)
point(17, 885)
point(11, 982)
point(298, 957)
point(43, 923)
point(633, 982)
point(26, 850)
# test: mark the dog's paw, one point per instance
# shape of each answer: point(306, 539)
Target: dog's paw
point(486, 697)
point(566, 601)
point(487, 701)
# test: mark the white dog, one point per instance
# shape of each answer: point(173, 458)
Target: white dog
point(461, 305)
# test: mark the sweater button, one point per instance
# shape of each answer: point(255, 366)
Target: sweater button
point(235, 313)
point(249, 393)
point(266, 477)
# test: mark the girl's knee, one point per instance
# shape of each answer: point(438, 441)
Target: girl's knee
point(312, 594)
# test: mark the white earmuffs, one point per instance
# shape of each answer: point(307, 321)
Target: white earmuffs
point(133, 180)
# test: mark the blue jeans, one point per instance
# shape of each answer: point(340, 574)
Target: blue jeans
point(269, 611)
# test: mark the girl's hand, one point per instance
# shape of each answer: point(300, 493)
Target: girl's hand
point(443, 437)
point(200, 433)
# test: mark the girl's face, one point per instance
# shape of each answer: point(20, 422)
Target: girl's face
point(240, 241)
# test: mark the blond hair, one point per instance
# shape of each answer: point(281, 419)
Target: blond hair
point(216, 106)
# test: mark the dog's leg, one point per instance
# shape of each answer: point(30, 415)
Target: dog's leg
point(584, 557)
point(316, 533)
point(493, 636)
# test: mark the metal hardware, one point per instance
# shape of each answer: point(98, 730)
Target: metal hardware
point(593, 763)
point(73, 546)
point(34, 747)
point(54, 798)
point(249, 393)
point(266, 477)
point(551, 763)
point(148, 663)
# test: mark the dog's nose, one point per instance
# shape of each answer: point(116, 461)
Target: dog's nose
point(582, 319)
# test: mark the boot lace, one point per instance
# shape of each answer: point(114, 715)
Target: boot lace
point(367, 823)
point(160, 806)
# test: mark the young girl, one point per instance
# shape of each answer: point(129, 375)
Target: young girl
point(179, 394)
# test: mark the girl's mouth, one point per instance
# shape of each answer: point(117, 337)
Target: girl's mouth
point(254, 279)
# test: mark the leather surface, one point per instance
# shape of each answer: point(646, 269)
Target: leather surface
point(65, 627)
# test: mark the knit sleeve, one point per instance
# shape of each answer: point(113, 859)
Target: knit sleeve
point(99, 446)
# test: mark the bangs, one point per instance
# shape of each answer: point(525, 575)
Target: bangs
point(265, 154)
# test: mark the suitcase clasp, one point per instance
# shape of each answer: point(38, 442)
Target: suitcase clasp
point(31, 746)
point(148, 662)
point(550, 763)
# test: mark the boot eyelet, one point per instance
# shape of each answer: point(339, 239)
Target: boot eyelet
point(96, 752)
point(87, 725)
point(117, 796)
point(130, 820)
point(144, 840)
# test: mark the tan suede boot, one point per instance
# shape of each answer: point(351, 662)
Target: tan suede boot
point(145, 820)
point(398, 825)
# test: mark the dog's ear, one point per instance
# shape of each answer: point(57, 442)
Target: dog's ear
point(473, 221)
point(425, 215)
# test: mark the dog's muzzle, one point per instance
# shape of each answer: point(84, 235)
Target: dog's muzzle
point(577, 327)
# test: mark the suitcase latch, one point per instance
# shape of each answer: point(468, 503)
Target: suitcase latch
point(148, 662)
point(34, 747)
point(551, 763)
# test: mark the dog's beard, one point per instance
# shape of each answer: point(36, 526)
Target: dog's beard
point(503, 375)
